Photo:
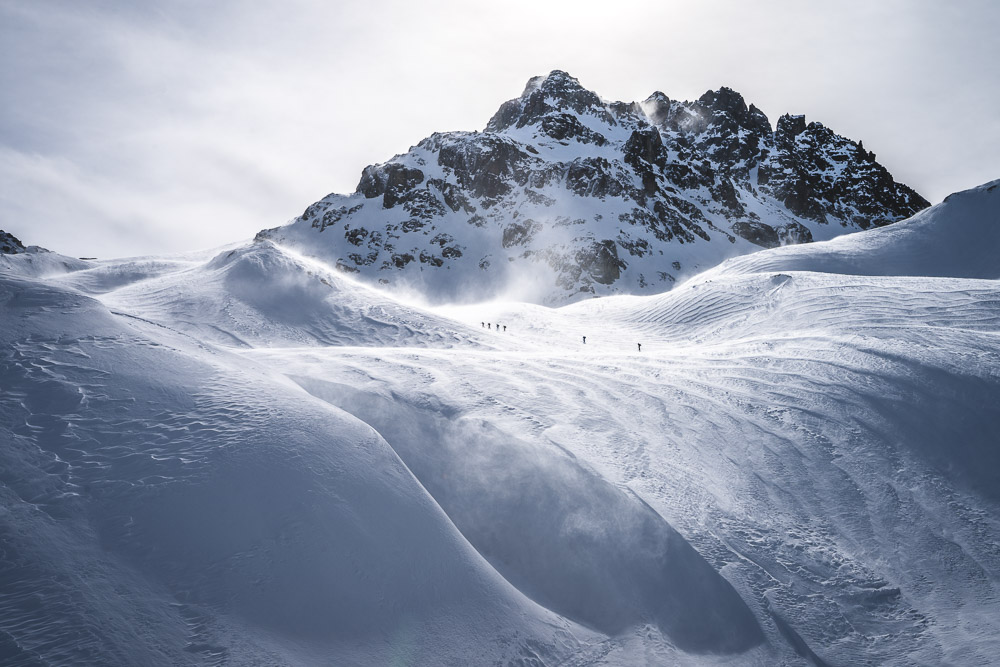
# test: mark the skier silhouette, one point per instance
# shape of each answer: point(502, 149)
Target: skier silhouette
point(489, 325)
point(584, 340)
point(482, 324)
point(505, 328)
point(640, 346)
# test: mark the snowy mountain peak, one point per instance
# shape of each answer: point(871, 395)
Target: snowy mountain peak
point(555, 84)
point(10, 244)
point(790, 126)
point(564, 196)
point(555, 94)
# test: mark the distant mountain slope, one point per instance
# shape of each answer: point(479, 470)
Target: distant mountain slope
point(564, 195)
point(958, 238)
point(34, 260)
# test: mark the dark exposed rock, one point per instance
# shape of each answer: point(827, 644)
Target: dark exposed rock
point(657, 176)
point(600, 261)
point(506, 116)
point(400, 260)
point(766, 236)
point(390, 180)
point(332, 215)
point(625, 112)
point(636, 247)
point(658, 108)
point(313, 210)
point(727, 102)
point(758, 233)
point(9, 244)
point(442, 239)
point(789, 127)
point(356, 236)
point(421, 203)
point(453, 196)
point(484, 167)
point(684, 175)
point(671, 115)
point(427, 258)
point(413, 225)
point(363, 260)
point(645, 145)
point(792, 233)
point(538, 198)
point(519, 233)
point(593, 177)
point(566, 126)
point(556, 93)
point(725, 193)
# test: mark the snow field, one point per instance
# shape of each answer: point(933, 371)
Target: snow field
point(250, 459)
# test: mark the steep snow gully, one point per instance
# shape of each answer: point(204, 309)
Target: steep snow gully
point(246, 458)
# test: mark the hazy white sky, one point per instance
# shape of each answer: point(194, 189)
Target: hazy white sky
point(140, 127)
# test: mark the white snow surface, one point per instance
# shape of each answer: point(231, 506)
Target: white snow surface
point(249, 459)
point(958, 238)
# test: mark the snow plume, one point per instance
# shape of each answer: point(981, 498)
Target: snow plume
point(558, 532)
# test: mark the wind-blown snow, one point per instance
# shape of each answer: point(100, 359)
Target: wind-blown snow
point(248, 458)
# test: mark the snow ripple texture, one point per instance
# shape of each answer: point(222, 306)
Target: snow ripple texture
point(246, 458)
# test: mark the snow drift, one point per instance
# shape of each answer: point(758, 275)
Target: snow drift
point(165, 504)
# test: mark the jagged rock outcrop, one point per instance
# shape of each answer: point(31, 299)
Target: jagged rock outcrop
point(9, 244)
point(565, 195)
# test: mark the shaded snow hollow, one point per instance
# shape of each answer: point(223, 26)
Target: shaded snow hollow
point(249, 458)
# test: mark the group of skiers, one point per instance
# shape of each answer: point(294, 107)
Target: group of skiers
point(489, 325)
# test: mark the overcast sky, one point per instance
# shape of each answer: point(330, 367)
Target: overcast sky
point(142, 128)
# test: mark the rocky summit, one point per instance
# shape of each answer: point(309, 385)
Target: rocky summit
point(564, 195)
point(9, 244)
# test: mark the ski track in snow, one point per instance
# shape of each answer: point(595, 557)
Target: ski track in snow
point(827, 442)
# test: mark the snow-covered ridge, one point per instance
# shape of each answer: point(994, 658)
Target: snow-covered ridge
point(565, 195)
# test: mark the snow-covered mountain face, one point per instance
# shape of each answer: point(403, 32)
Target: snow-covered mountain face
point(564, 196)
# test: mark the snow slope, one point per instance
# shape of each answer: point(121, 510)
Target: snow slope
point(800, 466)
point(958, 238)
point(168, 503)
